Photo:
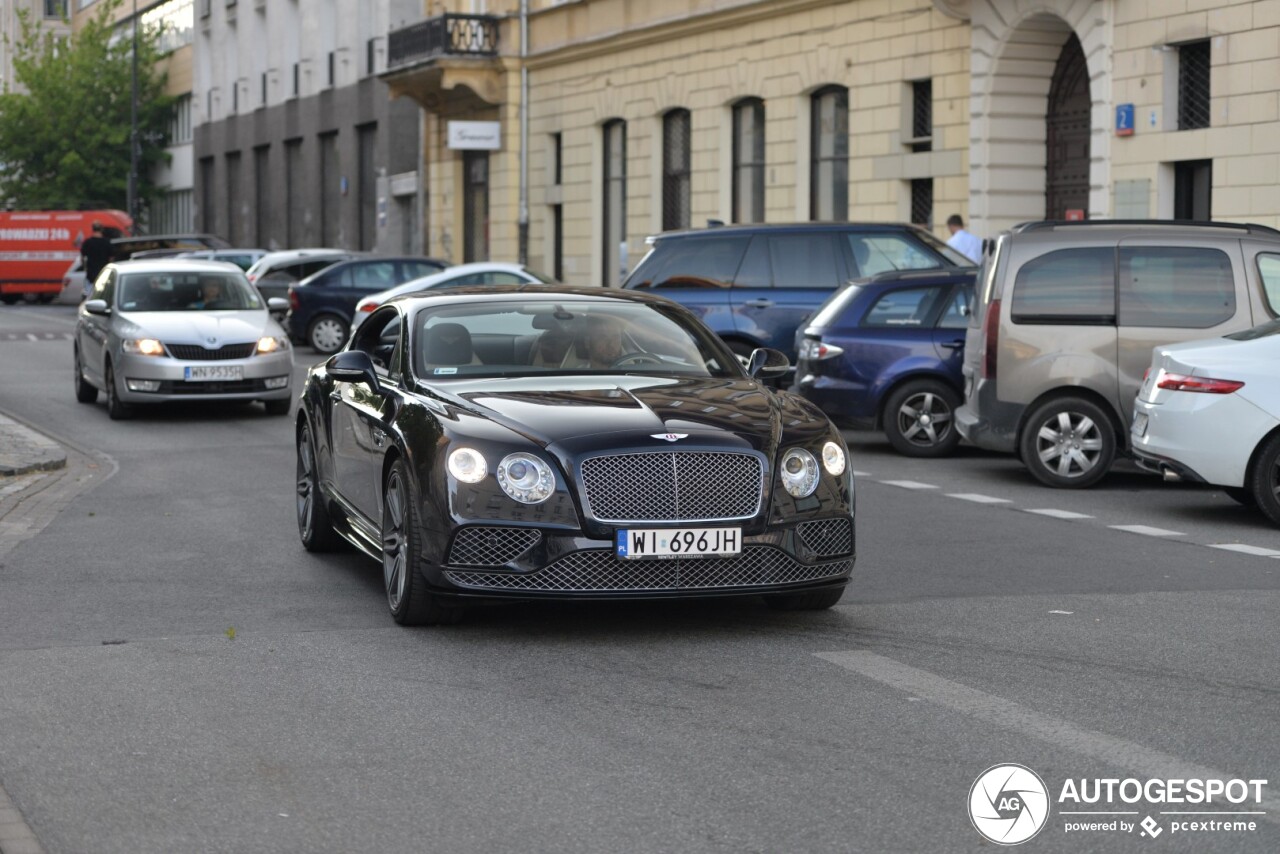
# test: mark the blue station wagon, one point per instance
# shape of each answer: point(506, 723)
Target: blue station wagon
point(754, 285)
point(887, 353)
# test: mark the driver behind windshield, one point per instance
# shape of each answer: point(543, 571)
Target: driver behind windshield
point(603, 342)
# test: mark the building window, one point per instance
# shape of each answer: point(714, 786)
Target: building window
point(557, 149)
point(297, 76)
point(205, 8)
point(55, 9)
point(264, 89)
point(1193, 190)
point(557, 210)
point(367, 188)
point(330, 188)
point(748, 160)
point(921, 115)
point(475, 205)
point(262, 218)
point(615, 202)
point(208, 195)
point(829, 154)
point(180, 124)
point(293, 188)
point(371, 56)
point(235, 97)
point(675, 169)
point(333, 62)
point(235, 225)
point(922, 202)
point(1193, 85)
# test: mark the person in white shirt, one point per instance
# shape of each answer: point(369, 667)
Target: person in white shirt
point(962, 241)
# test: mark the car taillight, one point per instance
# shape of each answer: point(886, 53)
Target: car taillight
point(253, 277)
point(367, 306)
point(1146, 374)
point(294, 302)
point(814, 350)
point(991, 334)
point(1204, 385)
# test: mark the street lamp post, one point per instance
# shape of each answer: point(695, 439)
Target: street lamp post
point(132, 200)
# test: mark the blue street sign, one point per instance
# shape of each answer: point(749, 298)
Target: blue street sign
point(1124, 120)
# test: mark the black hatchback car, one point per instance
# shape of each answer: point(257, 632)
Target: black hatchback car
point(322, 305)
point(754, 284)
point(530, 443)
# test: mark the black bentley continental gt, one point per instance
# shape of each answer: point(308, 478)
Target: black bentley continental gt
point(568, 443)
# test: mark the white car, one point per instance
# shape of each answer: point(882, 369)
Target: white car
point(1209, 412)
point(461, 275)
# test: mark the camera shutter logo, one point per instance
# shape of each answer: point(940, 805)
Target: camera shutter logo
point(1008, 804)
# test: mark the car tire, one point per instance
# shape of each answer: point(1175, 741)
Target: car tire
point(1241, 495)
point(1068, 443)
point(327, 333)
point(277, 407)
point(919, 419)
point(85, 391)
point(1264, 479)
point(314, 527)
point(810, 600)
point(117, 409)
point(408, 598)
point(9, 299)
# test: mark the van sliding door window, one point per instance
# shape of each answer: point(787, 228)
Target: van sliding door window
point(1176, 287)
point(1067, 287)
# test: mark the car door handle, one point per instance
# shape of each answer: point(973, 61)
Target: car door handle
point(379, 437)
point(952, 345)
point(335, 395)
point(759, 303)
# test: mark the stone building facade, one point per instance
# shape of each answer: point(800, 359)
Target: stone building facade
point(671, 113)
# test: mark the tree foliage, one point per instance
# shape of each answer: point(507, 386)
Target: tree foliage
point(65, 128)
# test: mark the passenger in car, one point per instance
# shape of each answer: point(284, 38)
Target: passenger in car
point(551, 348)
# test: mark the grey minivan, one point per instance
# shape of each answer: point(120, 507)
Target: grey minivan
point(1066, 316)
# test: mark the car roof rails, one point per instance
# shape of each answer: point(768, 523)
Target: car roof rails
point(1041, 225)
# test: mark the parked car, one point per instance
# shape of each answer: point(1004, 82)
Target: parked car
point(1067, 314)
point(242, 258)
point(457, 276)
point(444, 446)
point(168, 330)
point(274, 273)
point(886, 353)
point(1209, 412)
point(755, 284)
point(126, 247)
point(322, 305)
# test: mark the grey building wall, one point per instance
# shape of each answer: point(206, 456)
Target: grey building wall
point(338, 168)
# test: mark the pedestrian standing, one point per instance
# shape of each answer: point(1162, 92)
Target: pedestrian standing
point(962, 241)
point(96, 252)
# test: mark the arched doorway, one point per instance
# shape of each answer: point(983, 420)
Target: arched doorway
point(1067, 130)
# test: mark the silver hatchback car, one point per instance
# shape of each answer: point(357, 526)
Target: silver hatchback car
point(1067, 315)
point(166, 330)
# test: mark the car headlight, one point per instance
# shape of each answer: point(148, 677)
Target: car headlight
point(272, 344)
point(143, 346)
point(799, 472)
point(833, 459)
point(467, 465)
point(526, 478)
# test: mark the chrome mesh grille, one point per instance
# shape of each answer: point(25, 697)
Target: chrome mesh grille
point(491, 546)
point(196, 353)
point(827, 537)
point(598, 570)
point(681, 486)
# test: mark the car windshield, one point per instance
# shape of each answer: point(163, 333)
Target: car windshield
point(186, 291)
point(524, 338)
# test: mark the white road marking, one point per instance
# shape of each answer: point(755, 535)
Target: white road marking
point(32, 337)
point(1060, 514)
point(1245, 550)
point(1062, 612)
point(1013, 716)
point(1146, 530)
point(976, 498)
point(909, 484)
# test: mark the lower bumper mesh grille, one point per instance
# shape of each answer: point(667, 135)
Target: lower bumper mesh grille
point(827, 537)
point(598, 570)
point(491, 546)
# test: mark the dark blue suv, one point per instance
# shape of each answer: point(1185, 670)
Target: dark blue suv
point(755, 284)
point(321, 306)
point(886, 353)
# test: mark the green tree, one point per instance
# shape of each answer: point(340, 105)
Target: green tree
point(64, 130)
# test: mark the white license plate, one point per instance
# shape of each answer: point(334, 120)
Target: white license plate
point(640, 543)
point(1140, 424)
point(213, 373)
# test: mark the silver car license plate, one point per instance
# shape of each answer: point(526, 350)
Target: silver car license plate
point(213, 373)
point(1139, 424)
point(640, 543)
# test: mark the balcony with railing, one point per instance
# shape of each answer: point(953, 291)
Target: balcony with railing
point(448, 35)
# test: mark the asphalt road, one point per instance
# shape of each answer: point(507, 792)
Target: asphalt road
point(977, 631)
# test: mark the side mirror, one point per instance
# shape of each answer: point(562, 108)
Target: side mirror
point(353, 366)
point(766, 364)
point(277, 304)
point(97, 306)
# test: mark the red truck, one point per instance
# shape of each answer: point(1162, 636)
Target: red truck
point(38, 247)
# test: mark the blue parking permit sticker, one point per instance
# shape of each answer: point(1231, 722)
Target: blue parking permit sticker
point(622, 544)
point(445, 371)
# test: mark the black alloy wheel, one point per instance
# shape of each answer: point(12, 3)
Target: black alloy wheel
point(85, 392)
point(314, 527)
point(408, 598)
point(919, 419)
point(1264, 479)
point(117, 409)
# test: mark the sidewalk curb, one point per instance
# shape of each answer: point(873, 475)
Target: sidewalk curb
point(24, 450)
